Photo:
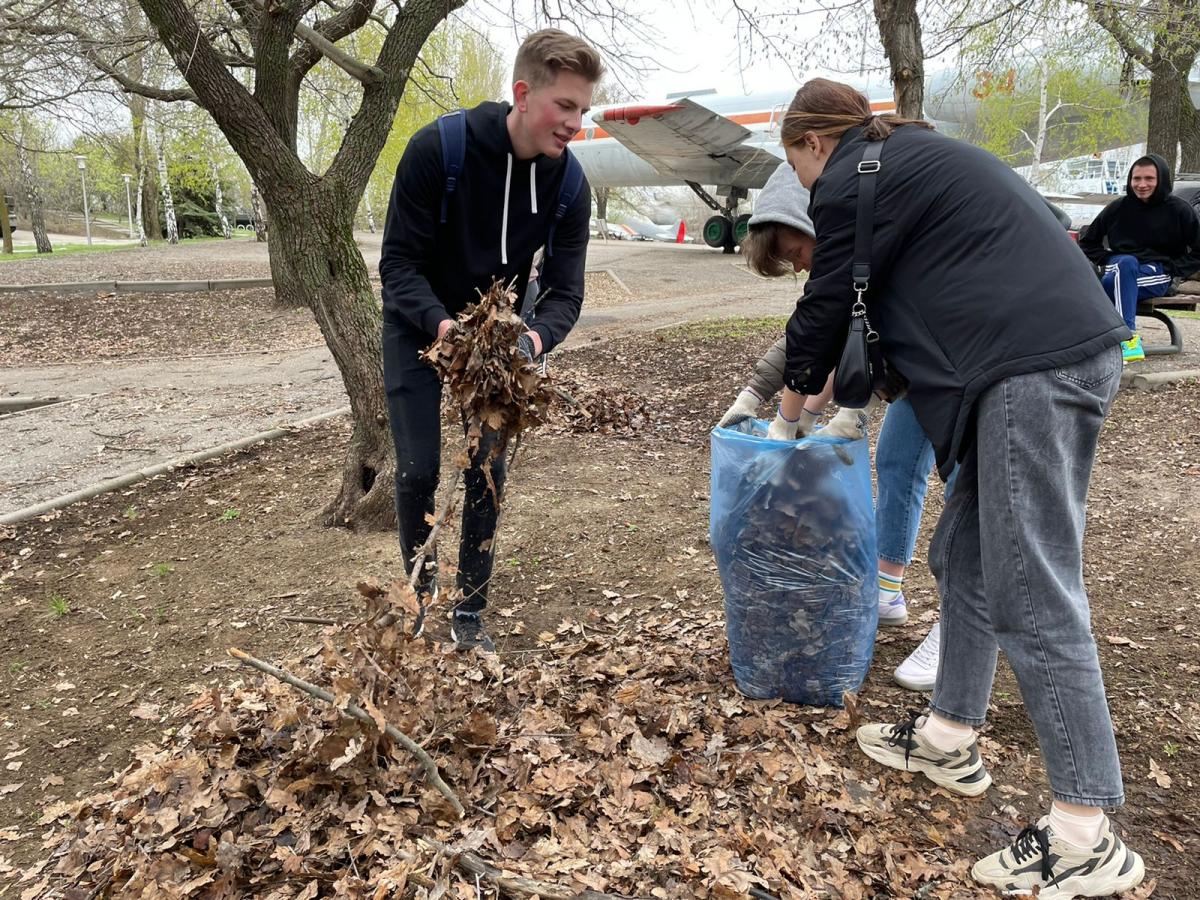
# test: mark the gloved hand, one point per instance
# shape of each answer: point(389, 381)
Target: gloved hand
point(851, 423)
point(526, 347)
point(744, 407)
point(783, 430)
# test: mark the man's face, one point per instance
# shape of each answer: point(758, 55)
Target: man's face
point(1144, 180)
point(797, 248)
point(552, 114)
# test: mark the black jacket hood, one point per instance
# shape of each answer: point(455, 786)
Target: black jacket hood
point(1163, 190)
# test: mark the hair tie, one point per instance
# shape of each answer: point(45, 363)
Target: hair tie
point(871, 117)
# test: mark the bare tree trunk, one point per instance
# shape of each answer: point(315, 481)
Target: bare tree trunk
point(141, 223)
point(226, 231)
point(1189, 134)
point(313, 243)
point(258, 214)
point(37, 220)
point(900, 33)
point(370, 211)
point(165, 186)
point(5, 227)
point(1168, 79)
point(602, 195)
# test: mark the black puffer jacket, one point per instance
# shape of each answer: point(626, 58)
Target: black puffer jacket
point(972, 280)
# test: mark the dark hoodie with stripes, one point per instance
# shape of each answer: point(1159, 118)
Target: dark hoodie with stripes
point(1162, 229)
point(498, 216)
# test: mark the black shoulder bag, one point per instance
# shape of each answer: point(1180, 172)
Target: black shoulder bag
point(860, 371)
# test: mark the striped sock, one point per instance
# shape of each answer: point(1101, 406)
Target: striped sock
point(889, 587)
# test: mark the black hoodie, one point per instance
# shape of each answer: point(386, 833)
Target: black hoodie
point(1163, 229)
point(499, 215)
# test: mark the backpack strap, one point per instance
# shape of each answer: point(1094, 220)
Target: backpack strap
point(452, 129)
point(571, 183)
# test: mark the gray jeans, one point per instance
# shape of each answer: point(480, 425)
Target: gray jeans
point(1008, 558)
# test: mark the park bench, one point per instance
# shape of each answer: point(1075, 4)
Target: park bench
point(1153, 308)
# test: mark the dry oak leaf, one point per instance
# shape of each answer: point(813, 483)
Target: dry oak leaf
point(1161, 778)
point(648, 751)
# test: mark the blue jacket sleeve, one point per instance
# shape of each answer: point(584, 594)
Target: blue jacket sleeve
point(561, 282)
point(409, 234)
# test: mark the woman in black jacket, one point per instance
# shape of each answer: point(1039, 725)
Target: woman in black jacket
point(1010, 349)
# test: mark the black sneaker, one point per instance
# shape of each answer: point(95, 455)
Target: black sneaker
point(1041, 861)
point(468, 633)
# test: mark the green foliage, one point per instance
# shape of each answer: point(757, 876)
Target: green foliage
point(1085, 112)
point(161, 570)
point(59, 606)
point(229, 515)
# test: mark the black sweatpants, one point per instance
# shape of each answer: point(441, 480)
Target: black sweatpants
point(414, 395)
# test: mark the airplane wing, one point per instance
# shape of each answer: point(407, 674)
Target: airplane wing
point(686, 141)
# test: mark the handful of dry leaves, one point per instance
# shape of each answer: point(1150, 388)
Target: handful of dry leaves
point(495, 386)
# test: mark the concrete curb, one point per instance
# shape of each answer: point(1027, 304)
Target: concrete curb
point(141, 287)
point(120, 481)
point(1150, 381)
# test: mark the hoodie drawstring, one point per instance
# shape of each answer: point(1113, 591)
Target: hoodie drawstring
point(533, 187)
point(504, 218)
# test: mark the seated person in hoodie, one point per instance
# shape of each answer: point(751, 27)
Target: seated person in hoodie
point(781, 241)
point(442, 247)
point(1143, 240)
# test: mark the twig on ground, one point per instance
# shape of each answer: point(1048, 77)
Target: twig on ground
point(309, 620)
point(355, 712)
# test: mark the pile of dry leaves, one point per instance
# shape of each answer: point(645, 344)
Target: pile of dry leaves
point(590, 408)
point(616, 758)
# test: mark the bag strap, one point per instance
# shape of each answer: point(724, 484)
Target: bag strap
point(864, 232)
point(452, 129)
point(571, 183)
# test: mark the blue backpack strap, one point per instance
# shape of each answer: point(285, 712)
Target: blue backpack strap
point(571, 183)
point(452, 129)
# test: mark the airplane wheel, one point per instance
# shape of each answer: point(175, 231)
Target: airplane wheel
point(717, 231)
point(741, 228)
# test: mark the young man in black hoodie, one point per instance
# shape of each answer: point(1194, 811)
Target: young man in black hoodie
point(1152, 237)
point(445, 240)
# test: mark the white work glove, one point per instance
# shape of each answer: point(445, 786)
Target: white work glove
point(783, 430)
point(851, 423)
point(744, 407)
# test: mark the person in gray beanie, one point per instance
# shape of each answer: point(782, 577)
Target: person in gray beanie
point(780, 242)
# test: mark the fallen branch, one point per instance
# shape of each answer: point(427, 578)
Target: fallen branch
point(309, 620)
point(472, 864)
point(355, 712)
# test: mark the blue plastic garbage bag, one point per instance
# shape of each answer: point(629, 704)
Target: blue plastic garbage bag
point(792, 525)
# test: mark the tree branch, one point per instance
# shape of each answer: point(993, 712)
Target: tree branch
point(343, 23)
point(356, 712)
point(368, 75)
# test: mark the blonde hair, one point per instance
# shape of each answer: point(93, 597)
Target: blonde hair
point(830, 109)
point(547, 52)
point(760, 249)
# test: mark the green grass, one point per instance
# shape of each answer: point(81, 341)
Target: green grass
point(161, 570)
point(1183, 313)
point(739, 327)
point(78, 247)
point(59, 606)
point(229, 515)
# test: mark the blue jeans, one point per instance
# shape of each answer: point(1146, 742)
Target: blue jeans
point(1008, 558)
point(1127, 281)
point(903, 460)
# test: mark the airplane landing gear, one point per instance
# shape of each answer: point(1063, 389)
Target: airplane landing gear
point(726, 229)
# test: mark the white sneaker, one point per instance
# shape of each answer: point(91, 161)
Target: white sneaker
point(919, 671)
point(894, 611)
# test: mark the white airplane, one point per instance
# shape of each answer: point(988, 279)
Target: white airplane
point(699, 139)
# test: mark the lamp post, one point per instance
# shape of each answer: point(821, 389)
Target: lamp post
point(81, 162)
point(128, 204)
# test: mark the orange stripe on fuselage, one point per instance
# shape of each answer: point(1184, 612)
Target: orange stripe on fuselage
point(752, 118)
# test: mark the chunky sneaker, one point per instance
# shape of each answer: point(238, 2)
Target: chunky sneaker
point(468, 632)
point(1132, 350)
point(902, 747)
point(1039, 861)
point(894, 611)
point(919, 671)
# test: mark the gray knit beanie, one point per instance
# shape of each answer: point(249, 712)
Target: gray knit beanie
point(783, 199)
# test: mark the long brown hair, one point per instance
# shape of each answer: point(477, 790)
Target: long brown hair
point(830, 109)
